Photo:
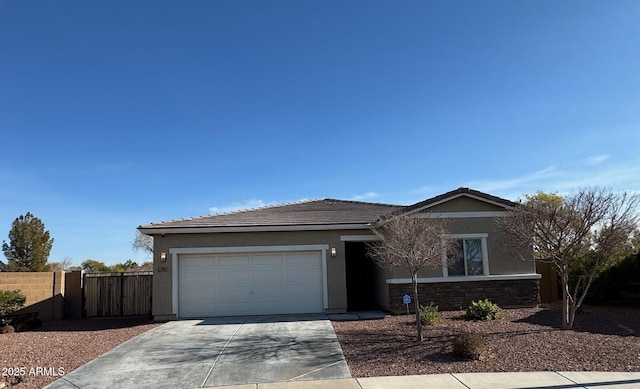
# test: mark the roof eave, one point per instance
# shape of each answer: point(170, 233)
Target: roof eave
point(272, 228)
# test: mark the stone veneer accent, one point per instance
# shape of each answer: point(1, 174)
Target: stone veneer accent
point(451, 296)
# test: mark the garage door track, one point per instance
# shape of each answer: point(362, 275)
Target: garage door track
point(217, 352)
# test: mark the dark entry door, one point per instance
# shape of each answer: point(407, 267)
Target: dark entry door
point(360, 271)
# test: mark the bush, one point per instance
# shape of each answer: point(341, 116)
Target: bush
point(484, 310)
point(469, 346)
point(11, 301)
point(429, 315)
point(620, 284)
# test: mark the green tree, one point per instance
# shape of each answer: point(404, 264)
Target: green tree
point(29, 245)
point(129, 265)
point(146, 266)
point(93, 266)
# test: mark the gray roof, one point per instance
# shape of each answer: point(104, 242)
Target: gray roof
point(452, 194)
point(324, 212)
point(311, 212)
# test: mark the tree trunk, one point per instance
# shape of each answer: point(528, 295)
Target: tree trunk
point(414, 278)
point(568, 308)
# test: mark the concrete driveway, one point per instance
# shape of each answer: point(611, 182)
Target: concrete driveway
point(217, 352)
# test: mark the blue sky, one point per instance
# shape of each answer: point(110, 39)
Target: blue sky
point(119, 113)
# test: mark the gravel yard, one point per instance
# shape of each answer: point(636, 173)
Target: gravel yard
point(604, 339)
point(63, 344)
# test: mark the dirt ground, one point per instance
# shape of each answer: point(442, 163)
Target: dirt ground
point(603, 339)
point(36, 358)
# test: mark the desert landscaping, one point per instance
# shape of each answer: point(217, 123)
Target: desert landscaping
point(604, 339)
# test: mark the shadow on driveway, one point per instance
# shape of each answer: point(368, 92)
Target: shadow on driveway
point(216, 352)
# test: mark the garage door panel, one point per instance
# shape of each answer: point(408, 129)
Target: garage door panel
point(200, 278)
point(197, 292)
point(233, 294)
point(309, 258)
point(200, 262)
point(263, 260)
point(300, 275)
point(269, 293)
point(232, 276)
point(229, 309)
point(268, 276)
point(257, 283)
point(234, 260)
point(298, 294)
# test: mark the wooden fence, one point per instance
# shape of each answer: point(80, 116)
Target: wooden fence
point(117, 294)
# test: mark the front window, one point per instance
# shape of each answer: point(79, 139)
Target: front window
point(466, 258)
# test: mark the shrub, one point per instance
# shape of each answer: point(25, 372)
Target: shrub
point(469, 346)
point(429, 315)
point(484, 310)
point(11, 301)
point(620, 284)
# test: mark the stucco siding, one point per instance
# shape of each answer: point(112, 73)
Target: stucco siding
point(501, 261)
point(465, 204)
point(382, 292)
point(336, 278)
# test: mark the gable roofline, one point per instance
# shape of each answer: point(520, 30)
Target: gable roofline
point(315, 215)
point(454, 194)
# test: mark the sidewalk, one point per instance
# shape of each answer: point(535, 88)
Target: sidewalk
point(529, 380)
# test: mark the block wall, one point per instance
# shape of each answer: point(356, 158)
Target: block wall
point(451, 296)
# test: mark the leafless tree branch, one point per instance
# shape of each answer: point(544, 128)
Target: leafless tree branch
point(582, 232)
point(411, 243)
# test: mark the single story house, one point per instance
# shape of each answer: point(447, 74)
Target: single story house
point(310, 256)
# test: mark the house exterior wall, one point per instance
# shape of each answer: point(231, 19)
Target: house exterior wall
point(465, 204)
point(501, 261)
point(506, 271)
point(162, 282)
point(453, 295)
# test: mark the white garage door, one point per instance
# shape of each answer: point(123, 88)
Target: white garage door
point(249, 284)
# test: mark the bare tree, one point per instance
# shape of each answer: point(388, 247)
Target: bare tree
point(143, 242)
point(64, 265)
point(411, 243)
point(579, 234)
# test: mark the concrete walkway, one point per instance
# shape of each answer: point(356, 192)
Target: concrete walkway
point(530, 380)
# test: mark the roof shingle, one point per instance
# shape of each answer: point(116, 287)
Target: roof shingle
point(315, 212)
point(311, 212)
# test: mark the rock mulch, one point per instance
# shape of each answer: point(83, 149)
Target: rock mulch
point(603, 339)
point(31, 359)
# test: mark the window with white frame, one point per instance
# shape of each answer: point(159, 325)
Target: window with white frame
point(467, 257)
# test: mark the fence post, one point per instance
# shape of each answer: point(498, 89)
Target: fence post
point(121, 294)
point(84, 285)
